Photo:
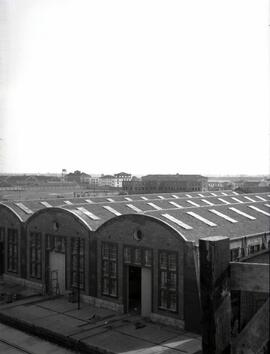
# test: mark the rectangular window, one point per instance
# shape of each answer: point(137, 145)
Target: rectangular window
point(168, 281)
point(109, 269)
point(235, 254)
point(12, 250)
point(35, 255)
point(56, 243)
point(2, 234)
point(78, 262)
point(138, 256)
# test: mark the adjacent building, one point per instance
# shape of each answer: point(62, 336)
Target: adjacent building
point(166, 184)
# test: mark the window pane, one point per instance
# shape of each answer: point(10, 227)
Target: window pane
point(172, 301)
point(147, 257)
point(137, 256)
point(163, 299)
point(163, 279)
point(163, 260)
point(127, 254)
point(172, 262)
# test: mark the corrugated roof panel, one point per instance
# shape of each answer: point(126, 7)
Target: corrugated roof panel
point(199, 217)
point(154, 206)
point(133, 207)
point(224, 201)
point(46, 204)
point(250, 199)
point(177, 221)
point(237, 200)
point(207, 202)
point(112, 210)
point(261, 198)
point(223, 215)
point(240, 212)
point(176, 205)
point(259, 210)
point(128, 199)
point(88, 213)
point(193, 203)
point(24, 208)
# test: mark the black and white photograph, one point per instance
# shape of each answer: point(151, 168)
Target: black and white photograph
point(134, 176)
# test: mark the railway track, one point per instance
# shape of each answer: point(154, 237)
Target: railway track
point(17, 347)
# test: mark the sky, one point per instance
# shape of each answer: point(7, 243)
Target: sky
point(136, 86)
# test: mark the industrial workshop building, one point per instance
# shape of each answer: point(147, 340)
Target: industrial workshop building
point(134, 253)
point(166, 184)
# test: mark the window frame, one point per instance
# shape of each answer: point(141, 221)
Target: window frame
point(111, 276)
point(12, 250)
point(35, 248)
point(167, 291)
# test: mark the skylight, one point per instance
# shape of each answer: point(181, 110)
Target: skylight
point(144, 198)
point(67, 202)
point(248, 198)
point(201, 195)
point(193, 203)
point(175, 196)
point(177, 221)
point(46, 204)
point(259, 210)
point(224, 201)
point(237, 200)
point(199, 217)
point(154, 206)
point(110, 200)
point(128, 199)
point(189, 196)
point(213, 194)
point(161, 197)
point(89, 201)
point(115, 212)
point(24, 208)
point(235, 193)
point(240, 212)
point(207, 202)
point(176, 205)
point(224, 193)
point(223, 215)
point(263, 199)
point(88, 213)
point(133, 207)
point(268, 205)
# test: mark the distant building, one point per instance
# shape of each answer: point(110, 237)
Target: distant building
point(78, 177)
point(107, 180)
point(166, 184)
point(120, 178)
point(217, 185)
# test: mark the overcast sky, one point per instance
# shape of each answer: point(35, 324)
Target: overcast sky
point(135, 86)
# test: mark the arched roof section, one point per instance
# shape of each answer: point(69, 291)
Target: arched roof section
point(11, 210)
point(74, 214)
point(169, 227)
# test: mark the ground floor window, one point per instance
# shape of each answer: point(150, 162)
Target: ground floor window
point(56, 243)
point(138, 256)
point(235, 253)
point(35, 255)
point(168, 281)
point(12, 250)
point(78, 262)
point(109, 269)
point(2, 234)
